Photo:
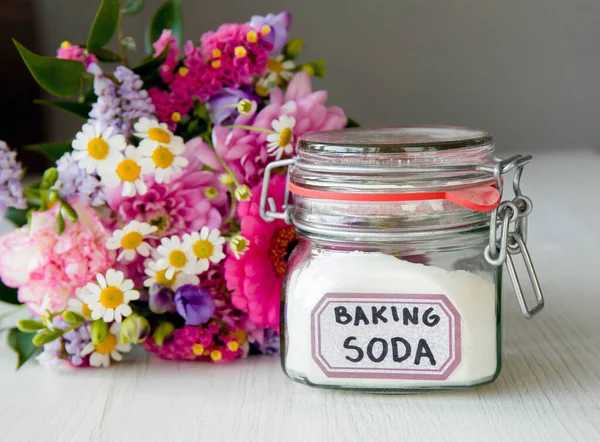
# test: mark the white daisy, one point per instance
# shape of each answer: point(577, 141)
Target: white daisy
point(175, 257)
point(158, 275)
point(162, 160)
point(109, 298)
point(131, 240)
point(126, 171)
point(154, 133)
point(281, 142)
point(110, 348)
point(206, 246)
point(96, 149)
point(81, 308)
point(278, 69)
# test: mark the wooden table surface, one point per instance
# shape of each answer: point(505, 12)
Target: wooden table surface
point(549, 389)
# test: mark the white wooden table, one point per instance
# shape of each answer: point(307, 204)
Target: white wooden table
point(549, 389)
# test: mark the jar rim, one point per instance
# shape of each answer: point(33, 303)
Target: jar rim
point(394, 140)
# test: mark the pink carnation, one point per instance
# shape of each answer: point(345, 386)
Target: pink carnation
point(47, 267)
point(67, 51)
point(193, 199)
point(256, 278)
point(245, 151)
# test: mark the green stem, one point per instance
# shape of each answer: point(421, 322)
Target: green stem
point(12, 311)
point(252, 128)
point(121, 45)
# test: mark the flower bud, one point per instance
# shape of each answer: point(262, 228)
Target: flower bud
point(135, 329)
point(72, 318)
point(294, 48)
point(239, 245)
point(242, 193)
point(49, 178)
point(227, 179)
point(46, 336)
point(244, 106)
point(98, 331)
point(29, 325)
point(162, 332)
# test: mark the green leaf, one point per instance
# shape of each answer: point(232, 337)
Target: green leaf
point(105, 24)
point(352, 123)
point(60, 223)
point(150, 64)
point(167, 16)
point(22, 345)
point(78, 109)
point(17, 216)
point(107, 55)
point(8, 294)
point(46, 336)
point(132, 7)
point(57, 76)
point(53, 151)
point(30, 325)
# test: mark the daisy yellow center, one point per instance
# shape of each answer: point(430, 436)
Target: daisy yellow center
point(97, 148)
point(86, 311)
point(108, 345)
point(131, 240)
point(285, 137)
point(203, 249)
point(162, 157)
point(177, 259)
point(128, 170)
point(111, 297)
point(160, 135)
point(274, 66)
point(161, 278)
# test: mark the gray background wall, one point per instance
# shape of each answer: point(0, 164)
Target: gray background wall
point(528, 70)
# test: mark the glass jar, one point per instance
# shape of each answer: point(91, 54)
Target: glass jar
point(395, 282)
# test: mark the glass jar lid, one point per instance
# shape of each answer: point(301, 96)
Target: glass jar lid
point(394, 164)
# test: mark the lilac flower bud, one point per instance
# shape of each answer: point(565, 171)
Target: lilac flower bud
point(193, 304)
point(161, 299)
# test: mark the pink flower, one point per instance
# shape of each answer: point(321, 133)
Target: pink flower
point(193, 199)
point(245, 151)
point(67, 51)
point(48, 268)
point(172, 60)
point(256, 278)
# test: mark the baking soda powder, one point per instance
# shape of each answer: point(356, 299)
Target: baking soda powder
point(371, 320)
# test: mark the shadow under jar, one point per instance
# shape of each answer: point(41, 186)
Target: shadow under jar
point(395, 282)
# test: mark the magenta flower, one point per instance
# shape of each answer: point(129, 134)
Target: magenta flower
point(172, 60)
point(68, 51)
point(256, 277)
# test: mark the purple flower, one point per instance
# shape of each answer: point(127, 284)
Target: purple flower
point(75, 341)
point(119, 105)
point(11, 172)
point(279, 25)
point(266, 341)
point(161, 299)
point(76, 182)
point(193, 304)
point(227, 97)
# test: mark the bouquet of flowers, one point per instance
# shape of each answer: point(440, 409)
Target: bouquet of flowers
point(147, 230)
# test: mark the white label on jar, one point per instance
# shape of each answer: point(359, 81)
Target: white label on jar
point(386, 336)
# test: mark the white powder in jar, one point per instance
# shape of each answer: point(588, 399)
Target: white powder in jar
point(472, 297)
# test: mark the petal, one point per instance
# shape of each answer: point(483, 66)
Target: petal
point(116, 355)
point(101, 280)
point(131, 295)
point(123, 310)
point(109, 315)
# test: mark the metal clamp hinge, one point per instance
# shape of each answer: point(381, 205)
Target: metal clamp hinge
point(512, 242)
point(272, 213)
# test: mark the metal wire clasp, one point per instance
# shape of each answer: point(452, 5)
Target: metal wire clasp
point(512, 242)
point(272, 214)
